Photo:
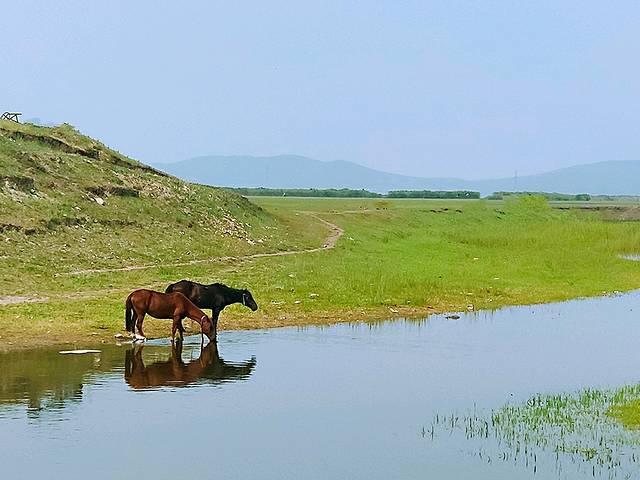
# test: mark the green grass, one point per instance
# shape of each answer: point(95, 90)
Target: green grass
point(627, 413)
point(396, 257)
point(452, 254)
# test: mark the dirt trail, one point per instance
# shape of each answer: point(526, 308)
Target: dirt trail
point(335, 232)
point(330, 242)
point(14, 299)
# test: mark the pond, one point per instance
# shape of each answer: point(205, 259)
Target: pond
point(343, 401)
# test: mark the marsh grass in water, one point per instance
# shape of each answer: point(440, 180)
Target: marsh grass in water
point(558, 432)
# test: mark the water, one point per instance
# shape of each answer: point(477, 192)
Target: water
point(345, 401)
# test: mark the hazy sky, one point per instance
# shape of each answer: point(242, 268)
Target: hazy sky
point(433, 88)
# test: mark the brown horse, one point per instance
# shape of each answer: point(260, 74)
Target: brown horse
point(164, 305)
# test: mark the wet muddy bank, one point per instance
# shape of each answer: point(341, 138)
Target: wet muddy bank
point(287, 316)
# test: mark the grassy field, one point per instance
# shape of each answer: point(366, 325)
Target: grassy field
point(395, 258)
point(82, 225)
point(450, 254)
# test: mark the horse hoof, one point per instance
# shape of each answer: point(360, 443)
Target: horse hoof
point(139, 338)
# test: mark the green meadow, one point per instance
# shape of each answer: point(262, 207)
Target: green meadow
point(451, 254)
point(396, 258)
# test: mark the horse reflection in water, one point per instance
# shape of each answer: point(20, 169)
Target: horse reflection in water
point(208, 368)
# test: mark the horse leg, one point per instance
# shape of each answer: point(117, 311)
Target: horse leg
point(139, 323)
point(174, 327)
point(134, 317)
point(177, 326)
point(215, 313)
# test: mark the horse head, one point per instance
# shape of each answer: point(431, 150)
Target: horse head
point(248, 301)
point(206, 327)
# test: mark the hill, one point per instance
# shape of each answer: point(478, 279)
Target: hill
point(68, 202)
point(289, 171)
point(607, 178)
point(292, 171)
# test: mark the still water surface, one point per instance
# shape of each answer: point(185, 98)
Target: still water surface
point(345, 401)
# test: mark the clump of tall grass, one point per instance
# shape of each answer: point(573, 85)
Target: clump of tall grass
point(555, 430)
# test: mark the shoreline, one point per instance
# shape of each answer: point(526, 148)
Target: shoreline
point(360, 267)
point(234, 321)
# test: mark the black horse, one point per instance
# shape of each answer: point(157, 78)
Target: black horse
point(215, 296)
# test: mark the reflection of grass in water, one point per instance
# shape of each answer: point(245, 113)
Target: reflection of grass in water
point(564, 429)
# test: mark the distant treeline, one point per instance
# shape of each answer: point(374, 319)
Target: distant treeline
point(443, 194)
point(552, 196)
point(349, 193)
point(616, 198)
point(432, 194)
point(305, 192)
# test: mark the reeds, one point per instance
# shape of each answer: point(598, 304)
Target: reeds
point(554, 432)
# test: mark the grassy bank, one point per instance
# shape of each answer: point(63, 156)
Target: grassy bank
point(395, 258)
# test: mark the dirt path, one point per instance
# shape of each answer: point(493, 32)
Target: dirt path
point(330, 242)
point(335, 232)
point(14, 299)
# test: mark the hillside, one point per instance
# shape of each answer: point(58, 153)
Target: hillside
point(291, 171)
point(68, 202)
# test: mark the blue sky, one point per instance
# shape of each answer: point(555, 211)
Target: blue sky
point(472, 89)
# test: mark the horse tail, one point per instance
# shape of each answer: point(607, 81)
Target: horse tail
point(128, 315)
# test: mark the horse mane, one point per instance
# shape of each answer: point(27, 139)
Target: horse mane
point(226, 288)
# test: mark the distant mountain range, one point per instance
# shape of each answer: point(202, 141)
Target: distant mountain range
point(292, 171)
